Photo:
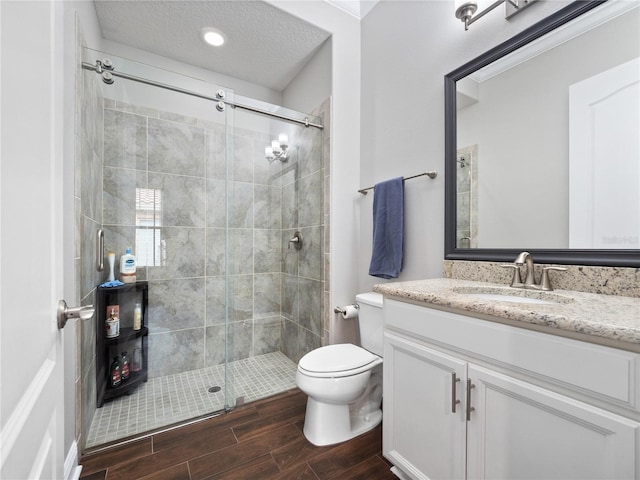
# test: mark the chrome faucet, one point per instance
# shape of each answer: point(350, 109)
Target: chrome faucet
point(525, 258)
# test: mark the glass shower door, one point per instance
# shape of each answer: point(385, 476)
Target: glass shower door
point(153, 177)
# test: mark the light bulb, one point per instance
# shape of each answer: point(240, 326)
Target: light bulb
point(212, 36)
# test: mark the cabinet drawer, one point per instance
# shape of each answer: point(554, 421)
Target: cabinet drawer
point(593, 370)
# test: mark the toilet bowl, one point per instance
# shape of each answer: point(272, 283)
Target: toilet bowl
point(344, 381)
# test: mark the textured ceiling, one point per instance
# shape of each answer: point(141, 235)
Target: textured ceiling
point(265, 45)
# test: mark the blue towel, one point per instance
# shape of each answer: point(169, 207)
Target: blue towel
point(388, 229)
point(113, 283)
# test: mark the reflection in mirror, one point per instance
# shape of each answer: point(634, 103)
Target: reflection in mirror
point(467, 197)
point(543, 147)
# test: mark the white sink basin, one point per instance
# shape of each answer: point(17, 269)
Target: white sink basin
point(512, 295)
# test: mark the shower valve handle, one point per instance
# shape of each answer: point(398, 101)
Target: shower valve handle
point(296, 240)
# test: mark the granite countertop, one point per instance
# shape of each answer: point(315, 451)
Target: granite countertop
point(612, 318)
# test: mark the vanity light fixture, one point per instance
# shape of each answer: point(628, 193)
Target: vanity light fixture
point(279, 149)
point(465, 9)
point(212, 36)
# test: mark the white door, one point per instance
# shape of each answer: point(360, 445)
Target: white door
point(31, 377)
point(604, 159)
point(424, 427)
point(521, 431)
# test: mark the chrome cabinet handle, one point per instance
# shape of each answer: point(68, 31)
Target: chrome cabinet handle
point(469, 407)
point(65, 313)
point(454, 401)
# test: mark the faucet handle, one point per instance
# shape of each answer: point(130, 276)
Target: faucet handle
point(516, 280)
point(545, 282)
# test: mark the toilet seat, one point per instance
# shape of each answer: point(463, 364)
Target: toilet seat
point(341, 360)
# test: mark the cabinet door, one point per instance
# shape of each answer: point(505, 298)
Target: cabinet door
point(422, 434)
point(518, 430)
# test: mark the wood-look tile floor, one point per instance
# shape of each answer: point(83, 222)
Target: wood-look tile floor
point(259, 441)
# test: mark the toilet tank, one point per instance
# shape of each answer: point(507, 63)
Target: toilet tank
point(370, 321)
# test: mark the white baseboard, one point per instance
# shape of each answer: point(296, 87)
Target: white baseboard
point(71, 468)
point(399, 473)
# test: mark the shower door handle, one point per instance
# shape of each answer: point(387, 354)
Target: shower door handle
point(100, 250)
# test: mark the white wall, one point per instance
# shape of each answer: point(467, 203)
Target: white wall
point(88, 19)
point(407, 49)
point(312, 85)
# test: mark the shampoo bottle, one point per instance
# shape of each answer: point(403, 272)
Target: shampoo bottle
point(137, 317)
point(111, 259)
point(115, 373)
point(136, 363)
point(128, 267)
point(124, 366)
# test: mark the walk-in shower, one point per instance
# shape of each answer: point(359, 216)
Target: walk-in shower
point(467, 197)
point(180, 170)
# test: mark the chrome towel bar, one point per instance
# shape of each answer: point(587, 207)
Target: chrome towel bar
point(430, 174)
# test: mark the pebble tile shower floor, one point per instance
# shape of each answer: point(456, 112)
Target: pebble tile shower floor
point(166, 400)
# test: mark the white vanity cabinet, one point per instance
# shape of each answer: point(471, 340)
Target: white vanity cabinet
point(470, 398)
point(421, 433)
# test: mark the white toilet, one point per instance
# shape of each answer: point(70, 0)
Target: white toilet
point(344, 381)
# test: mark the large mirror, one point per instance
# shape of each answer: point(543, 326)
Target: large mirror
point(543, 142)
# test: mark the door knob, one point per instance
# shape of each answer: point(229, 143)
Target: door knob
point(65, 313)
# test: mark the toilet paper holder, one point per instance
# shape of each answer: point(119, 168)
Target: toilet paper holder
point(343, 310)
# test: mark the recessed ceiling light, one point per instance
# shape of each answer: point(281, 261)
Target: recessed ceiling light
point(212, 36)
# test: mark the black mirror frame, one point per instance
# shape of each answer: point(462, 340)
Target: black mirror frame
point(613, 258)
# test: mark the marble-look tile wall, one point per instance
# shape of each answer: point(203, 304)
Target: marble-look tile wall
point(88, 214)
point(275, 294)
point(305, 271)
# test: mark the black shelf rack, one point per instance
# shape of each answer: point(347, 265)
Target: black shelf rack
point(125, 297)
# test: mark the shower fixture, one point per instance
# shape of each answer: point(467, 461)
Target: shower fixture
point(279, 149)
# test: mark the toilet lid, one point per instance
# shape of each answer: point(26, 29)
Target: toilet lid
point(337, 358)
